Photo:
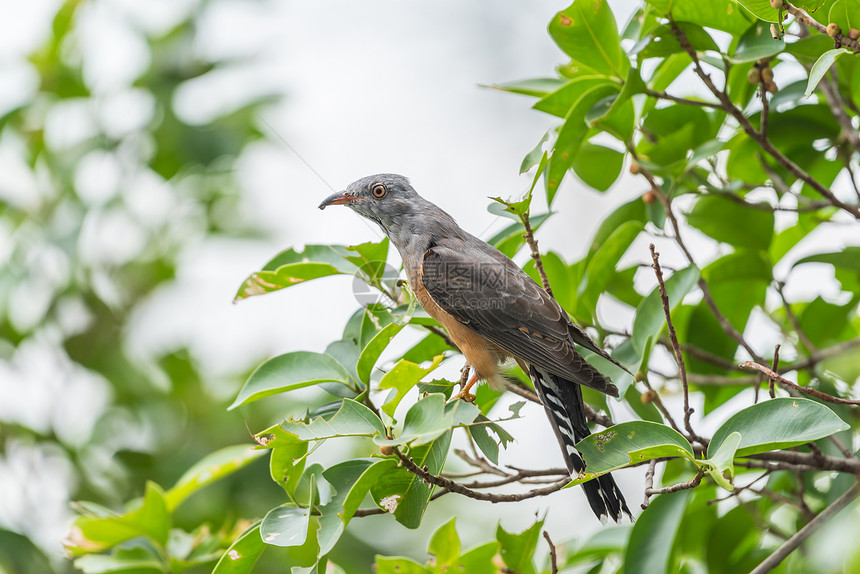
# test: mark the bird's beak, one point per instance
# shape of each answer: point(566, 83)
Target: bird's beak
point(339, 198)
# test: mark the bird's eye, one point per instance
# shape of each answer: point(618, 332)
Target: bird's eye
point(378, 191)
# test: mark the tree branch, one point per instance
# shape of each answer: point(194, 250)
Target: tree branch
point(801, 16)
point(529, 236)
point(552, 555)
point(792, 543)
point(776, 377)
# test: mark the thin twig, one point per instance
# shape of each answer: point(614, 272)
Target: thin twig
point(553, 559)
point(649, 483)
point(684, 101)
point(765, 109)
point(679, 357)
point(436, 330)
point(792, 543)
point(529, 236)
point(795, 322)
point(658, 402)
point(696, 480)
point(801, 16)
point(774, 376)
point(774, 365)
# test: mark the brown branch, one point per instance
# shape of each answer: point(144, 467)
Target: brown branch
point(683, 101)
point(552, 556)
point(837, 107)
point(820, 356)
point(436, 330)
point(698, 353)
point(801, 16)
point(679, 357)
point(696, 480)
point(729, 107)
point(458, 488)
point(792, 543)
point(649, 483)
point(776, 377)
point(765, 109)
point(811, 460)
point(852, 177)
point(773, 367)
point(529, 236)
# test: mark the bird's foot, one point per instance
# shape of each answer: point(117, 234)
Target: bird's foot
point(465, 395)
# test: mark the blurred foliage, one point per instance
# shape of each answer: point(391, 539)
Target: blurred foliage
point(724, 164)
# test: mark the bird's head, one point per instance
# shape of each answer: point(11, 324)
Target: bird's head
point(386, 198)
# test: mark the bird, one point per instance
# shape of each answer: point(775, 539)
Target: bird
point(493, 312)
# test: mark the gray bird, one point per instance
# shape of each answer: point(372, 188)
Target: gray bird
point(492, 311)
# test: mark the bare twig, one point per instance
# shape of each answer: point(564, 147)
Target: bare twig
point(792, 543)
point(773, 367)
point(552, 555)
point(679, 357)
point(837, 107)
point(820, 356)
point(529, 236)
point(776, 377)
point(442, 333)
point(795, 323)
point(684, 101)
point(811, 460)
point(696, 480)
point(649, 483)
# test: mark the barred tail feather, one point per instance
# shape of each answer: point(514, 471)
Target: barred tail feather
point(565, 409)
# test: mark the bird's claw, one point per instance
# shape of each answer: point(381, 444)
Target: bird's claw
point(466, 396)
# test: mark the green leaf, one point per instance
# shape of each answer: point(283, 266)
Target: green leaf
point(630, 443)
point(352, 419)
point(210, 468)
point(286, 525)
point(371, 352)
point(728, 221)
point(536, 87)
point(445, 545)
point(397, 565)
point(633, 210)
point(518, 550)
point(720, 14)
point(351, 481)
point(586, 31)
point(662, 42)
point(288, 458)
point(601, 265)
point(848, 258)
point(405, 493)
point(402, 377)
point(534, 156)
point(289, 372)
point(756, 44)
point(824, 62)
point(560, 102)
point(650, 319)
point(242, 554)
point(292, 267)
point(572, 134)
point(722, 462)
point(845, 14)
point(97, 533)
point(478, 560)
point(429, 418)
point(777, 424)
point(653, 536)
point(369, 258)
point(598, 166)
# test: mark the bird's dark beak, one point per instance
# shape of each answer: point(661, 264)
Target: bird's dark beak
point(339, 198)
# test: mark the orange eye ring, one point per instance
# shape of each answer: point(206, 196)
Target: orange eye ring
point(378, 191)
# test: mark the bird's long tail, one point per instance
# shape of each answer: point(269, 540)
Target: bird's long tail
point(565, 408)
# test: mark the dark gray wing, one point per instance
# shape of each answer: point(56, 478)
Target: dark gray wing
point(497, 300)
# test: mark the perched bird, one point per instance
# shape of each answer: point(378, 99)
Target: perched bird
point(492, 311)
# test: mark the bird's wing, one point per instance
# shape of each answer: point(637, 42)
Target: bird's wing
point(497, 300)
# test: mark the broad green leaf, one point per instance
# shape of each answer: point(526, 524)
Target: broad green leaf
point(572, 134)
point(369, 258)
point(291, 371)
point(101, 564)
point(429, 418)
point(286, 525)
point(352, 419)
point(371, 352)
point(756, 44)
point(403, 492)
point(650, 318)
point(742, 265)
point(292, 267)
point(242, 554)
point(777, 424)
point(478, 560)
point(631, 211)
point(559, 102)
point(517, 550)
point(445, 545)
point(848, 258)
point(845, 14)
point(534, 156)
point(586, 31)
point(351, 480)
point(151, 519)
point(602, 263)
point(720, 14)
point(653, 536)
point(480, 433)
point(536, 87)
point(598, 166)
point(728, 221)
point(762, 8)
point(397, 565)
point(630, 443)
point(662, 43)
point(288, 459)
point(210, 468)
point(722, 463)
point(824, 62)
point(402, 377)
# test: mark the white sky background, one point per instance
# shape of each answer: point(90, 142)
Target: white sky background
point(370, 86)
